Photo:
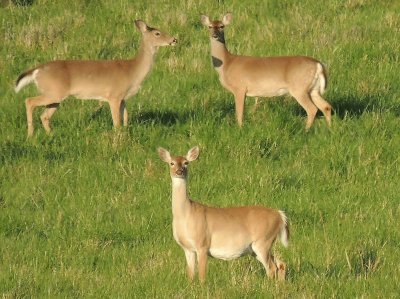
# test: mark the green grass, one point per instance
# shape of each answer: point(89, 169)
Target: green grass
point(86, 211)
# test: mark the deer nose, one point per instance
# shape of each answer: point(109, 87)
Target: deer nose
point(179, 171)
point(174, 41)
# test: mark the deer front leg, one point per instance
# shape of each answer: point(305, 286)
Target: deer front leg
point(239, 106)
point(191, 263)
point(256, 104)
point(202, 261)
point(124, 113)
point(115, 107)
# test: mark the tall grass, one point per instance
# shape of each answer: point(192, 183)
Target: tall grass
point(85, 211)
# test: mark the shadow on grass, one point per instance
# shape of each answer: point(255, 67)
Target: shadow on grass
point(166, 118)
point(350, 105)
point(11, 151)
point(363, 262)
point(4, 3)
point(354, 106)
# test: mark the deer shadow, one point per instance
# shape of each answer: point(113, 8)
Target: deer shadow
point(355, 105)
point(166, 118)
point(20, 2)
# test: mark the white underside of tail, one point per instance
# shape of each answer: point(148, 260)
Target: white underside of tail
point(321, 78)
point(283, 234)
point(26, 80)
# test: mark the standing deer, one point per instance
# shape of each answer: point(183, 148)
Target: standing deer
point(302, 77)
point(113, 81)
point(223, 233)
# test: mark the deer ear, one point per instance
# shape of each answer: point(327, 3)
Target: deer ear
point(193, 154)
point(227, 18)
point(164, 154)
point(141, 25)
point(205, 20)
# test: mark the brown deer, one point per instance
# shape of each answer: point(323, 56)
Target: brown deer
point(113, 81)
point(223, 233)
point(302, 77)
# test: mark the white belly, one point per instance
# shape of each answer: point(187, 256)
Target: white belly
point(226, 253)
point(266, 92)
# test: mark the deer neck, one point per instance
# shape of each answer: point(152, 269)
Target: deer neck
point(143, 61)
point(219, 53)
point(180, 200)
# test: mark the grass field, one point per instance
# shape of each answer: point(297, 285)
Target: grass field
point(86, 211)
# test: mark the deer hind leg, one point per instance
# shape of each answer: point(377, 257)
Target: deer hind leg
point(262, 250)
point(31, 103)
point(322, 105)
point(281, 269)
point(239, 106)
point(190, 263)
point(305, 101)
point(47, 114)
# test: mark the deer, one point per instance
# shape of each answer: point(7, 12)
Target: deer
point(112, 81)
point(222, 233)
point(304, 78)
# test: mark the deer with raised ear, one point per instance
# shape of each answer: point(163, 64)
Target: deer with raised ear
point(113, 81)
point(302, 77)
point(223, 233)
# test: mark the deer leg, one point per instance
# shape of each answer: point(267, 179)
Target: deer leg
point(30, 104)
point(99, 107)
point(202, 262)
point(256, 104)
point(47, 114)
point(322, 105)
point(115, 107)
point(124, 113)
point(305, 101)
point(281, 269)
point(191, 263)
point(262, 250)
point(239, 106)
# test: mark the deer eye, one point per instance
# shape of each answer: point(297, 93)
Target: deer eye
point(172, 163)
point(221, 27)
point(157, 33)
point(186, 163)
point(210, 26)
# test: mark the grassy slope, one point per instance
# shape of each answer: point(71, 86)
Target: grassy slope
point(85, 212)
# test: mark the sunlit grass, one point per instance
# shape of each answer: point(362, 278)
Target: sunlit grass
point(85, 211)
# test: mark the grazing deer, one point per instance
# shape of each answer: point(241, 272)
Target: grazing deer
point(113, 81)
point(302, 77)
point(223, 233)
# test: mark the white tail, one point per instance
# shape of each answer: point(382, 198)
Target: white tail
point(284, 232)
point(302, 77)
point(224, 233)
point(25, 79)
point(113, 81)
